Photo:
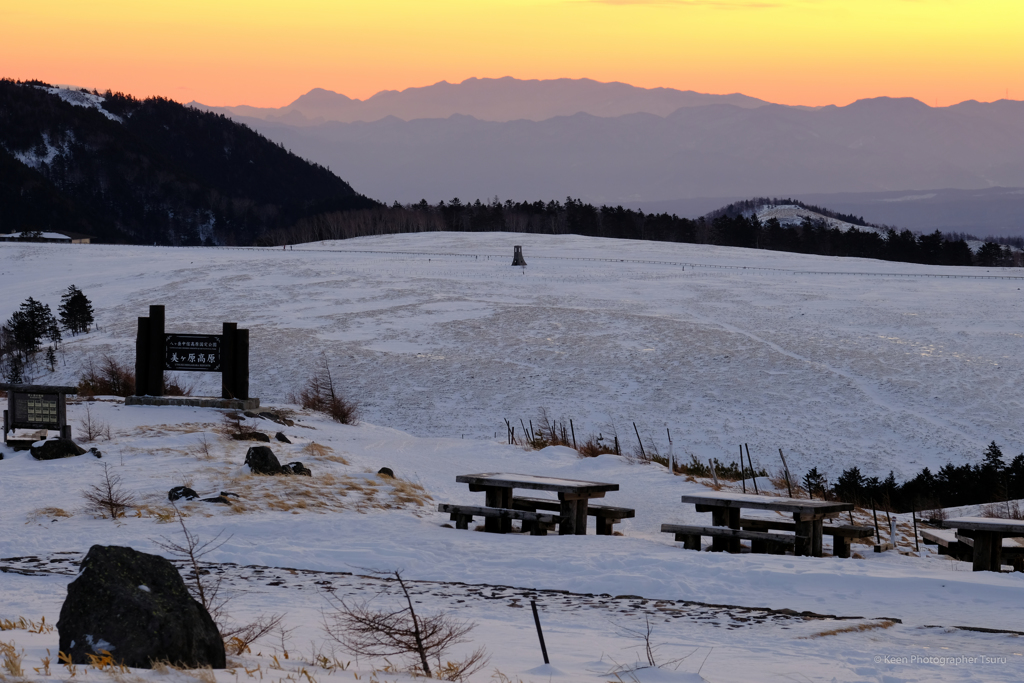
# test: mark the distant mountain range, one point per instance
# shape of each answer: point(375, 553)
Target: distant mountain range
point(488, 99)
point(150, 171)
point(705, 150)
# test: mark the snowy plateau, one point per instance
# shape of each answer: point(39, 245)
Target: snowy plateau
point(838, 362)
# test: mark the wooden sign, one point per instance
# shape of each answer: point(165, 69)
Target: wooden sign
point(192, 352)
point(36, 406)
point(157, 351)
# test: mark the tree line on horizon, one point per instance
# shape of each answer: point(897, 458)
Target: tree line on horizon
point(736, 225)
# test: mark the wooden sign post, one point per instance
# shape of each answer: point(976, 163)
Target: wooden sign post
point(37, 408)
point(157, 351)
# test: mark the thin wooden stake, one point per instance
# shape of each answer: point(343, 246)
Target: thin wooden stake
point(789, 481)
point(573, 430)
point(874, 511)
point(753, 472)
point(525, 432)
point(917, 544)
point(540, 633)
point(642, 454)
point(743, 477)
point(714, 474)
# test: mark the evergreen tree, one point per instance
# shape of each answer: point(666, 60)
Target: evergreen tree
point(29, 324)
point(814, 482)
point(51, 358)
point(75, 311)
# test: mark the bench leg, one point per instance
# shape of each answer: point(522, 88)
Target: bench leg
point(537, 529)
point(841, 546)
point(816, 534)
point(497, 497)
point(461, 521)
point(689, 541)
point(604, 526)
point(726, 517)
point(803, 545)
point(759, 546)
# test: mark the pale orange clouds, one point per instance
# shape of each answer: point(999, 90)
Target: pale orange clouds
point(268, 53)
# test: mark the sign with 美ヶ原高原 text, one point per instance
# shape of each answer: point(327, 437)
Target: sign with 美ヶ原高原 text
point(198, 352)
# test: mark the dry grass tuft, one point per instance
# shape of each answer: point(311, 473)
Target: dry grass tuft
point(316, 450)
point(23, 624)
point(47, 513)
point(10, 661)
point(327, 492)
point(855, 628)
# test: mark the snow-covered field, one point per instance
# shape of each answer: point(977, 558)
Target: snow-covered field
point(837, 361)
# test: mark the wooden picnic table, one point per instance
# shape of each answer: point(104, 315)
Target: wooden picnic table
point(808, 515)
point(573, 495)
point(985, 535)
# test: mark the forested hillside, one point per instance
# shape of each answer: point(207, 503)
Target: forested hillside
point(149, 171)
point(733, 226)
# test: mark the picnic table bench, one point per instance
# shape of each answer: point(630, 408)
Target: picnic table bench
point(573, 497)
point(463, 516)
point(689, 536)
point(808, 517)
point(607, 516)
point(985, 537)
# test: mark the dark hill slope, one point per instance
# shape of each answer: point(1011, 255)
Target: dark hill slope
point(150, 171)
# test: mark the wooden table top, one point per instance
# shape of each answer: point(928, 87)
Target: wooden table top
point(1004, 526)
point(750, 501)
point(530, 481)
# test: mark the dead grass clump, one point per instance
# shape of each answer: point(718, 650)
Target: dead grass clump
point(10, 661)
point(855, 628)
point(327, 492)
point(23, 624)
point(316, 450)
point(47, 513)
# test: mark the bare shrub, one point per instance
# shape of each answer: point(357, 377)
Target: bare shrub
point(174, 385)
point(321, 395)
point(205, 587)
point(109, 378)
point(364, 630)
point(109, 497)
point(93, 427)
point(1009, 509)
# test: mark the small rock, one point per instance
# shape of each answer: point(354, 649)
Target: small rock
point(228, 493)
point(249, 413)
point(136, 606)
point(386, 472)
point(282, 438)
point(179, 492)
point(216, 499)
point(298, 468)
point(95, 451)
point(261, 460)
point(56, 448)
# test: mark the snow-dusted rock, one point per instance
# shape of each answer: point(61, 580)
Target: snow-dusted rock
point(107, 609)
point(54, 449)
point(261, 460)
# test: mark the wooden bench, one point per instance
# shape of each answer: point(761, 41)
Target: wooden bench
point(689, 536)
point(946, 541)
point(606, 515)
point(463, 516)
point(842, 534)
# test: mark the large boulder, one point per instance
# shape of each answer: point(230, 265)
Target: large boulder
point(261, 460)
point(54, 449)
point(136, 607)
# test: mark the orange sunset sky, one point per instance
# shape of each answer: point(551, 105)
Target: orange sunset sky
point(266, 53)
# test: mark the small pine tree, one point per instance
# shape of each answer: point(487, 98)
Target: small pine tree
point(993, 458)
point(51, 358)
point(814, 482)
point(76, 313)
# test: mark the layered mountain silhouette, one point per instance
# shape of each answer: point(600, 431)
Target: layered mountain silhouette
point(149, 171)
point(488, 99)
point(714, 150)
